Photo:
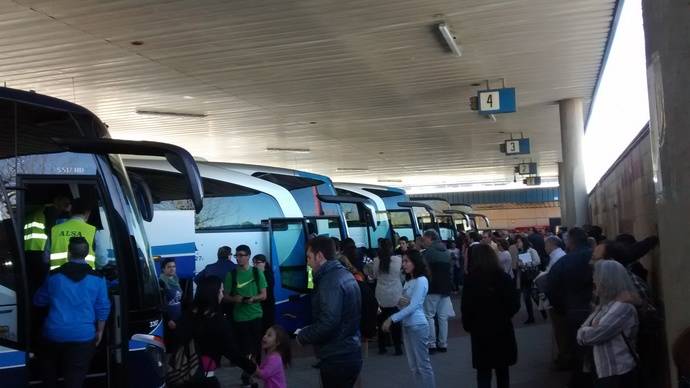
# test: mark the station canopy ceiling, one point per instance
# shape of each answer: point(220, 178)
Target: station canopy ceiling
point(366, 86)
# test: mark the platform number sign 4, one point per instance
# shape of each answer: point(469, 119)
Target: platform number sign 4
point(490, 101)
point(512, 147)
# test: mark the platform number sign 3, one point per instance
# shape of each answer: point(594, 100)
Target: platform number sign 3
point(490, 101)
point(513, 147)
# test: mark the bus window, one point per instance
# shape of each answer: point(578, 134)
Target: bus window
point(288, 248)
point(356, 224)
point(481, 223)
point(10, 329)
point(324, 226)
point(228, 206)
point(446, 227)
point(402, 223)
point(382, 230)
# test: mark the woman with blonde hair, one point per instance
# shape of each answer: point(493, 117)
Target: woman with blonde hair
point(611, 329)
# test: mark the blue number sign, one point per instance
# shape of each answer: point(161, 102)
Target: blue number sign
point(497, 101)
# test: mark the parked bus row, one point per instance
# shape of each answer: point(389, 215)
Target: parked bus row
point(162, 203)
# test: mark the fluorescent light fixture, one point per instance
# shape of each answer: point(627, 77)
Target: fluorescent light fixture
point(449, 37)
point(164, 112)
point(295, 150)
point(389, 180)
point(351, 169)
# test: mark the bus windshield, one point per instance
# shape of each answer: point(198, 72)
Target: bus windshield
point(402, 223)
point(150, 294)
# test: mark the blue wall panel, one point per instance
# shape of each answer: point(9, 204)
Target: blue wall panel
point(536, 195)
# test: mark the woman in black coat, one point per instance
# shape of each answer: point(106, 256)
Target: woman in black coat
point(489, 301)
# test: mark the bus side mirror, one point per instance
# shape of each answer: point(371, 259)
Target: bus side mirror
point(142, 194)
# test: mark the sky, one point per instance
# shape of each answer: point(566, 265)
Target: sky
point(621, 106)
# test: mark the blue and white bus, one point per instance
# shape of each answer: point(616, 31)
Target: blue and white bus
point(51, 148)
point(325, 212)
point(463, 215)
point(386, 200)
point(238, 209)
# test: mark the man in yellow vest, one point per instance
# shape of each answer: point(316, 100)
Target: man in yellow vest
point(74, 227)
point(40, 222)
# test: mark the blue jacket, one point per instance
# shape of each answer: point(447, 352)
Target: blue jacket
point(77, 297)
point(336, 308)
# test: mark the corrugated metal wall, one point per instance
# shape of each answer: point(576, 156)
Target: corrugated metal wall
point(535, 195)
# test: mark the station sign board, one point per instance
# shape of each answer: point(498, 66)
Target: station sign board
point(527, 168)
point(497, 101)
point(515, 147)
point(532, 181)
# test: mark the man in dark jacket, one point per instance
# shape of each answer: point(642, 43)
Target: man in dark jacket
point(475, 239)
point(220, 268)
point(437, 304)
point(336, 309)
point(537, 240)
point(569, 289)
point(78, 308)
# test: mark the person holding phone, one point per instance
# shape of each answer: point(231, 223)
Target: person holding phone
point(246, 288)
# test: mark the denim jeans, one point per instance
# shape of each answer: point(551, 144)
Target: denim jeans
point(72, 359)
point(437, 306)
point(415, 339)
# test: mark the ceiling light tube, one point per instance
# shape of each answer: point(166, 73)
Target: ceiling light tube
point(159, 112)
point(389, 180)
point(295, 150)
point(351, 169)
point(449, 37)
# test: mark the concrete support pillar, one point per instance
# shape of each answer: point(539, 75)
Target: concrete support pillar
point(572, 171)
point(667, 27)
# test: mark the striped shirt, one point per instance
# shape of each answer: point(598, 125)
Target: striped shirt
point(604, 330)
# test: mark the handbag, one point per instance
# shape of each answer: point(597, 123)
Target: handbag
point(184, 367)
point(632, 350)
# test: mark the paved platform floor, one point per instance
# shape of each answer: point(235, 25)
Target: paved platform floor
point(452, 369)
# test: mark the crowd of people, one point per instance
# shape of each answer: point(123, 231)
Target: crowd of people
point(593, 291)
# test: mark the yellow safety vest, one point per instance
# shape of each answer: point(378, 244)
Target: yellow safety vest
point(35, 231)
point(59, 241)
point(310, 278)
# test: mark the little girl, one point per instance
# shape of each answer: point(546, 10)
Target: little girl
point(277, 356)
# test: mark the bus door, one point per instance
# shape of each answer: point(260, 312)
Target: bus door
point(14, 302)
point(293, 278)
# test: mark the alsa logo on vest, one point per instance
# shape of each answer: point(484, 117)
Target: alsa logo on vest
point(70, 233)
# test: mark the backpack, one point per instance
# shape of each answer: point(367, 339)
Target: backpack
point(184, 368)
point(233, 275)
